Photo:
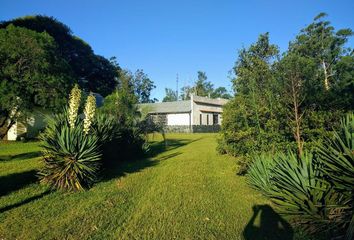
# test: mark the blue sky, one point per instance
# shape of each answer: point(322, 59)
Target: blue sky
point(168, 37)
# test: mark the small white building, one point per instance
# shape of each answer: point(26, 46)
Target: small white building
point(199, 114)
point(35, 123)
point(28, 128)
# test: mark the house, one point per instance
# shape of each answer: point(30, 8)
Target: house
point(199, 114)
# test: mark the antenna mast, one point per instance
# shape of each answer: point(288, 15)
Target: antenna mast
point(177, 86)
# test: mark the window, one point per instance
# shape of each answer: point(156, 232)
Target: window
point(200, 119)
point(207, 119)
point(215, 119)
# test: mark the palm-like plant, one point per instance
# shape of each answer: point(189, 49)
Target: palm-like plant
point(260, 173)
point(317, 192)
point(293, 184)
point(299, 191)
point(71, 158)
point(71, 155)
point(337, 157)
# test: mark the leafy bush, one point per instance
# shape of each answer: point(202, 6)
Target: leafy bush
point(106, 128)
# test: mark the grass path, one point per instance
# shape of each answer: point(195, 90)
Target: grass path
point(184, 192)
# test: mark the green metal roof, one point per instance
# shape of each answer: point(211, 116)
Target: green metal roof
point(167, 107)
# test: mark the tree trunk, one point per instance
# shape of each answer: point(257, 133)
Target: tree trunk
point(297, 117)
point(326, 80)
point(5, 128)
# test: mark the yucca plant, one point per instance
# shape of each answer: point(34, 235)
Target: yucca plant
point(296, 187)
point(71, 159)
point(300, 192)
point(260, 173)
point(71, 150)
point(337, 157)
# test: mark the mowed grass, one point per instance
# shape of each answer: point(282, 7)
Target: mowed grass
point(183, 191)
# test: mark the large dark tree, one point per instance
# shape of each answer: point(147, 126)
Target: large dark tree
point(32, 73)
point(93, 72)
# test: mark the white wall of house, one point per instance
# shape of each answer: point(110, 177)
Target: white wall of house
point(178, 119)
point(12, 133)
point(29, 128)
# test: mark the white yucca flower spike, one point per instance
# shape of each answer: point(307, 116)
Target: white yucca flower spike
point(74, 103)
point(89, 111)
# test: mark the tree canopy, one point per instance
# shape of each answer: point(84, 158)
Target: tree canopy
point(170, 95)
point(290, 100)
point(93, 72)
point(32, 74)
point(201, 87)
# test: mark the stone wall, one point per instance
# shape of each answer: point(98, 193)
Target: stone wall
point(205, 128)
point(177, 128)
point(195, 129)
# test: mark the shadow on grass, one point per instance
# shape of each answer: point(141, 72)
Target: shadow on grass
point(27, 200)
point(16, 181)
point(271, 226)
point(120, 165)
point(22, 156)
point(170, 144)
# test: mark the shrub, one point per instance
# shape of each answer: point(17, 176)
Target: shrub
point(71, 158)
point(71, 152)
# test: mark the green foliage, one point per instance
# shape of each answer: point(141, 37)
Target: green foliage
point(73, 146)
point(298, 189)
point(220, 92)
point(71, 158)
point(106, 128)
point(143, 86)
point(32, 74)
point(122, 103)
point(96, 73)
point(337, 155)
point(202, 87)
point(291, 101)
point(314, 192)
point(259, 174)
point(186, 92)
point(170, 95)
point(122, 110)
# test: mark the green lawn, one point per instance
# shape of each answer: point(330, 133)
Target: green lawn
point(185, 191)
